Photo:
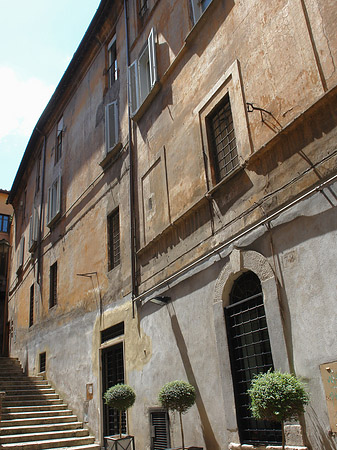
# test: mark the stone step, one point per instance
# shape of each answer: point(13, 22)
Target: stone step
point(33, 415)
point(31, 395)
point(41, 436)
point(53, 444)
point(28, 391)
point(41, 428)
point(40, 419)
point(18, 378)
point(33, 408)
point(10, 386)
point(35, 402)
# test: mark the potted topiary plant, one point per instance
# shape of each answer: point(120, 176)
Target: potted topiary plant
point(178, 396)
point(277, 397)
point(120, 397)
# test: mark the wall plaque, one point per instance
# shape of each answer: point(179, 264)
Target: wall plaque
point(329, 378)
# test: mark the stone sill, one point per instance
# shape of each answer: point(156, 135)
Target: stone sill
point(233, 446)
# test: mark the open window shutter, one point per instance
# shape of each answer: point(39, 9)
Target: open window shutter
point(21, 251)
point(152, 57)
point(196, 9)
point(111, 119)
point(31, 232)
point(49, 208)
point(133, 87)
point(58, 195)
point(35, 224)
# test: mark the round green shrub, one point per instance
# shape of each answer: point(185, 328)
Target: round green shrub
point(177, 396)
point(277, 396)
point(120, 397)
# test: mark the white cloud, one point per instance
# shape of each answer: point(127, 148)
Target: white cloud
point(22, 102)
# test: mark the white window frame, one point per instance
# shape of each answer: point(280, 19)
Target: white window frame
point(142, 74)
point(54, 201)
point(33, 230)
point(111, 117)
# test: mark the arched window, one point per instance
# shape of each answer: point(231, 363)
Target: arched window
point(250, 354)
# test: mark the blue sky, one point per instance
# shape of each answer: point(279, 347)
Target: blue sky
point(37, 41)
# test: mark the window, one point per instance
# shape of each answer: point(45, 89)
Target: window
point(54, 200)
point(4, 223)
point(143, 7)
point(160, 436)
point(222, 141)
point(31, 306)
point(114, 239)
point(33, 230)
point(142, 74)
point(111, 126)
point(198, 7)
point(59, 140)
point(42, 362)
point(53, 285)
point(112, 332)
point(112, 62)
point(250, 354)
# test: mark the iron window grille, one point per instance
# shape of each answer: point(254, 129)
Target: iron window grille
point(113, 373)
point(250, 354)
point(31, 306)
point(112, 332)
point(114, 239)
point(222, 140)
point(53, 285)
point(43, 362)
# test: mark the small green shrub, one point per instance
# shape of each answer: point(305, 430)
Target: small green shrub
point(120, 397)
point(277, 396)
point(177, 396)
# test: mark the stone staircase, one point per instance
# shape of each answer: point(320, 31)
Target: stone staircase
point(33, 416)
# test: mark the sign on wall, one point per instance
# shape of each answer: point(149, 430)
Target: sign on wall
point(329, 378)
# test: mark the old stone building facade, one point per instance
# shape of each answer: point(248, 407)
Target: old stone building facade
point(174, 217)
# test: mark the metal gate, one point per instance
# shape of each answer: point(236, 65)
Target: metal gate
point(250, 354)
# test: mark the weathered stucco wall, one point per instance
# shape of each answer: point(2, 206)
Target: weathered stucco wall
point(194, 236)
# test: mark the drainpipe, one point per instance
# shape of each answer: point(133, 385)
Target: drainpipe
point(131, 190)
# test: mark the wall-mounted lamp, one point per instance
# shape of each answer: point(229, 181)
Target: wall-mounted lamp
point(160, 300)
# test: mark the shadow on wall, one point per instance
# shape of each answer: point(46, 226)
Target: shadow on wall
point(322, 440)
point(207, 430)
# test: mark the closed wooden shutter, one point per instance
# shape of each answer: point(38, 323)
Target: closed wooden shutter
point(160, 436)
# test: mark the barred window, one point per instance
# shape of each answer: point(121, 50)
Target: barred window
point(53, 285)
point(31, 306)
point(222, 140)
point(113, 239)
